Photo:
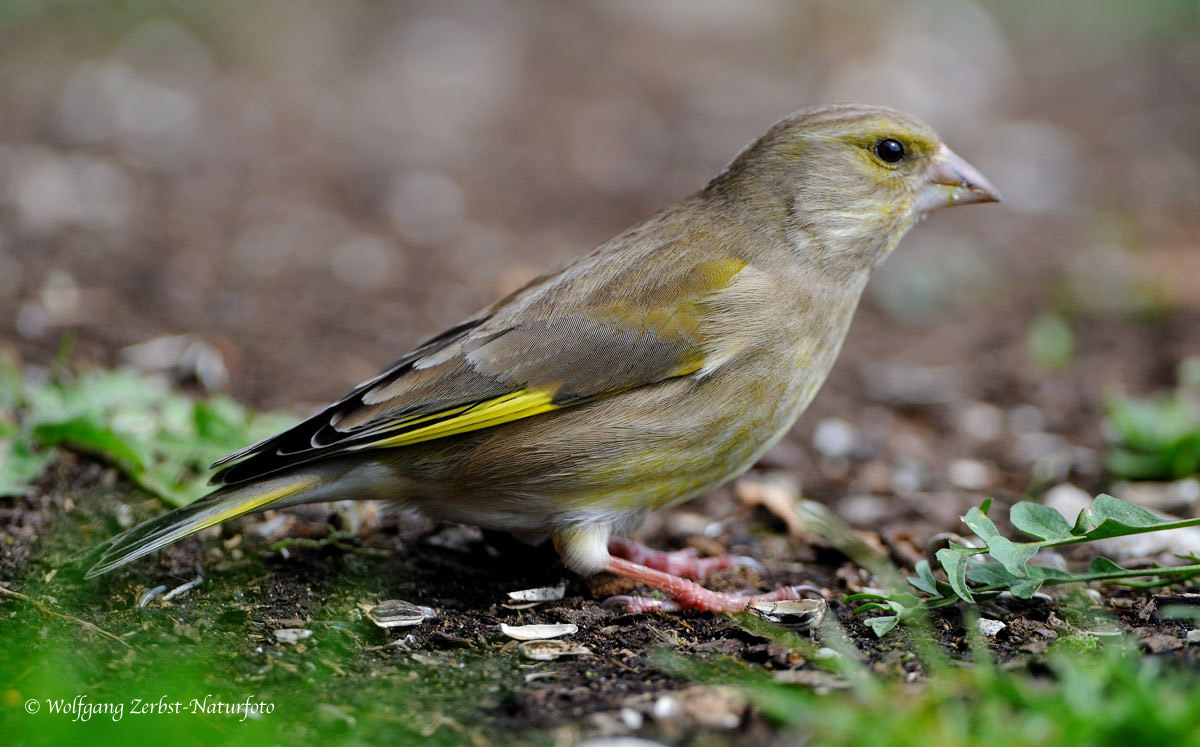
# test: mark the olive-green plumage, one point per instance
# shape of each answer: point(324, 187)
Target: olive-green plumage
point(655, 368)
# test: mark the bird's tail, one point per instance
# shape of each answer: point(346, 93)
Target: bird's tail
point(214, 508)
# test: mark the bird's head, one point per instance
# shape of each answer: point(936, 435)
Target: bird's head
point(847, 181)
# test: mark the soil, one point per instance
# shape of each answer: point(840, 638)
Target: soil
point(274, 228)
point(465, 575)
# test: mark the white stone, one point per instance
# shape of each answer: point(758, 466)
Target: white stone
point(835, 437)
point(970, 474)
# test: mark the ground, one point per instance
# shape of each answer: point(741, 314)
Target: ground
point(335, 565)
point(281, 208)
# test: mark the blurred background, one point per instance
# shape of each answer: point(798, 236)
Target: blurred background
point(278, 198)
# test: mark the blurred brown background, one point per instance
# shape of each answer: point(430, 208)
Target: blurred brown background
point(309, 188)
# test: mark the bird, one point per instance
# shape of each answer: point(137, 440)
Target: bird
point(649, 371)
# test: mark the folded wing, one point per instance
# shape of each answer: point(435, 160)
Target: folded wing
point(562, 340)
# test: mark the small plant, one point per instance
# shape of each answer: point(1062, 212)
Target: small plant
point(1107, 696)
point(968, 579)
point(162, 440)
point(1050, 342)
point(1156, 439)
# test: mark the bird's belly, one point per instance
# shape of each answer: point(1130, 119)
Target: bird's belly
point(705, 454)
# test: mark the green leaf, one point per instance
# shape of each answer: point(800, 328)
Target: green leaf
point(991, 574)
point(871, 607)
point(1026, 587)
point(1039, 521)
point(1107, 507)
point(1046, 573)
point(981, 525)
point(20, 465)
point(925, 580)
point(1039, 575)
point(1012, 555)
point(903, 602)
point(1156, 439)
point(1186, 460)
point(864, 596)
point(1104, 565)
point(161, 439)
point(882, 625)
point(1112, 517)
point(954, 563)
point(84, 433)
point(946, 601)
point(1135, 466)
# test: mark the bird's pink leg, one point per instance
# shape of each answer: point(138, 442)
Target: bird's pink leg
point(684, 594)
point(684, 563)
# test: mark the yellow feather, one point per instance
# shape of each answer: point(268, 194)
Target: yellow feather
point(491, 413)
point(256, 503)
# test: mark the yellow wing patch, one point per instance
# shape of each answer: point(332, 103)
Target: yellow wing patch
point(256, 502)
point(466, 418)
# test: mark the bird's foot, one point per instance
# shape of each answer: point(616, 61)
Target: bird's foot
point(684, 594)
point(686, 563)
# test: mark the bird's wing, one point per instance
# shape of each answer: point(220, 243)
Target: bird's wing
point(597, 329)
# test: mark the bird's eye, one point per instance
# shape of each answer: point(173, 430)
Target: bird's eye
point(889, 150)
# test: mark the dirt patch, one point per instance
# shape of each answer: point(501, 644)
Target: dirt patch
point(270, 217)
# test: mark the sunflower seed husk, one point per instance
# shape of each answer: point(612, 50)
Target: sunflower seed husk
point(397, 613)
point(538, 632)
point(540, 594)
point(797, 614)
point(551, 650)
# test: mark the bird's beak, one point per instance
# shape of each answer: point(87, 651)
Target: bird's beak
point(950, 181)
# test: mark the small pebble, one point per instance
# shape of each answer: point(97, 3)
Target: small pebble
point(902, 383)
point(1024, 419)
point(864, 510)
point(835, 437)
point(292, 635)
point(1161, 496)
point(970, 474)
point(981, 421)
point(711, 707)
point(665, 707)
point(124, 515)
point(631, 718)
point(907, 478)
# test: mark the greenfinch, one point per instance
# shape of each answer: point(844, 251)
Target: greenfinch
point(657, 367)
